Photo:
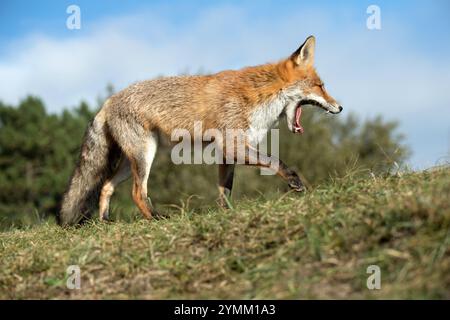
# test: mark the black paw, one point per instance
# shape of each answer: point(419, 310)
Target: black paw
point(296, 184)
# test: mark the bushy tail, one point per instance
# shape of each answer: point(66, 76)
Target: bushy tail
point(97, 159)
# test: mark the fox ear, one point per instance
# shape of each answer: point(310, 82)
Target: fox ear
point(305, 54)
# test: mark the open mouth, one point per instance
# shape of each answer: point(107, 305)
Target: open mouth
point(297, 126)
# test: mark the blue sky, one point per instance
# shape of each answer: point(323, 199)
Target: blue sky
point(401, 71)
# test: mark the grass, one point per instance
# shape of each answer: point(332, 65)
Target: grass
point(317, 245)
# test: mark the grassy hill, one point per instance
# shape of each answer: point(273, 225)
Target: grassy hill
point(317, 245)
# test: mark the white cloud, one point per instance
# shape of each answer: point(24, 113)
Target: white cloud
point(370, 72)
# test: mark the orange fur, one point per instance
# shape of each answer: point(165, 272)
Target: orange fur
point(251, 99)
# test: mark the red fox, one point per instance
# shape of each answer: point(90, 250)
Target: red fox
point(121, 140)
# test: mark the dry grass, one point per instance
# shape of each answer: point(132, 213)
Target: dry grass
point(313, 246)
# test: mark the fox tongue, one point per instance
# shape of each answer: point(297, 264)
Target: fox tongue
point(298, 127)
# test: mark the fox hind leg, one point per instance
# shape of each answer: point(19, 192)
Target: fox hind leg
point(122, 173)
point(139, 144)
point(141, 159)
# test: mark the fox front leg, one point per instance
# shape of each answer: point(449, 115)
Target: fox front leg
point(294, 182)
point(226, 175)
point(259, 159)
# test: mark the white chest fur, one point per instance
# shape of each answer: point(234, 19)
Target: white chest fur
point(265, 116)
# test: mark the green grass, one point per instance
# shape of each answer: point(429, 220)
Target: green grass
point(317, 245)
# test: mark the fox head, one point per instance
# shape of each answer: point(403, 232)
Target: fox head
point(304, 86)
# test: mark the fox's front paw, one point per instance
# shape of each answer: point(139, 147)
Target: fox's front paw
point(296, 184)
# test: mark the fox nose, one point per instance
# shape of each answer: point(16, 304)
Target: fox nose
point(340, 108)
